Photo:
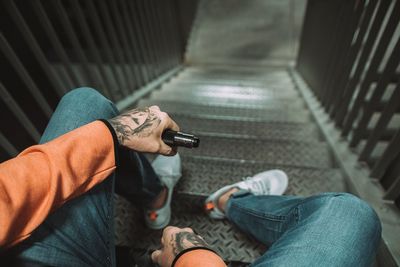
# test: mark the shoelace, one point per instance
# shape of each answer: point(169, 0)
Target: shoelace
point(257, 185)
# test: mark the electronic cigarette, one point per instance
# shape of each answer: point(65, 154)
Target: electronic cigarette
point(173, 138)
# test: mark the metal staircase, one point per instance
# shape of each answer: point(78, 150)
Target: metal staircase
point(248, 121)
point(249, 116)
point(322, 105)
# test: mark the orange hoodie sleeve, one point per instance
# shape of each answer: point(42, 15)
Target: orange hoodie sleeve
point(199, 258)
point(43, 177)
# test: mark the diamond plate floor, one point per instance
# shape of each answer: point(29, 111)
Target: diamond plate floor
point(313, 154)
point(248, 121)
point(283, 112)
point(248, 129)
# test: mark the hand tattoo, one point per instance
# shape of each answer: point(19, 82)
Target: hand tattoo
point(124, 124)
point(184, 240)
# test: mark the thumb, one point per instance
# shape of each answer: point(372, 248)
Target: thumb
point(155, 256)
point(166, 150)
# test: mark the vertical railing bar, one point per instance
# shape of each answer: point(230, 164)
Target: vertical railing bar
point(383, 82)
point(160, 49)
point(152, 37)
point(346, 48)
point(392, 106)
point(167, 34)
point(8, 147)
point(180, 27)
point(146, 33)
point(339, 34)
point(105, 44)
point(394, 190)
point(155, 8)
point(142, 41)
point(171, 18)
point(19, 67)
point(122, 33)
point(74, 40)
point(352, 57)
point(350, 87)
point(117, 46)
point(391, 152)
point(325, 72)
point(19, 113)
point(51, 34)
point(34, 46)
point(166, 47)
point(136, 53)
point(104, 79)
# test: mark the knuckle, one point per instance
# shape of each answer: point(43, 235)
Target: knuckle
point(169, 229)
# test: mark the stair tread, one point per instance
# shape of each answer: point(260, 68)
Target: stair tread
point(248, 129)
point(236, 81)
point(284, 152)
point(256, 76)
point(200, 98)
point(205, 176)
point(213, 90)
point(287, 112)
point(226, 239)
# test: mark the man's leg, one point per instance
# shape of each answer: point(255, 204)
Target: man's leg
point(332, 229)
point(80, 233)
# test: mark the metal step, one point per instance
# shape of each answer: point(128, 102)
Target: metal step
point(229, 72)
point(278, 80)
point(303, 154)
point(248, 129)
point(222, 99)
point(283, 82)
point(202, 177)
point(288, 112)
point(229, 243)
point(243, 92)
point(237, 71)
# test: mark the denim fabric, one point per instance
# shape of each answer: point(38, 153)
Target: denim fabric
point(330, 229)
point(81, 232)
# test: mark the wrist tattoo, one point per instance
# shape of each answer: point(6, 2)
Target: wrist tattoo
point(184, 240)
point(128, 125)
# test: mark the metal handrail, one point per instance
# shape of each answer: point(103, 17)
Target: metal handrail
point(121, 48)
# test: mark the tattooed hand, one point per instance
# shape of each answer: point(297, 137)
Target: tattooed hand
point(173, 241)
point(140, 129)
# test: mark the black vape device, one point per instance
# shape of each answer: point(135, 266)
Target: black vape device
point(173, 138)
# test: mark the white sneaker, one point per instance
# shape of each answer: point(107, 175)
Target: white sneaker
point(169, 170)
point(273, 182)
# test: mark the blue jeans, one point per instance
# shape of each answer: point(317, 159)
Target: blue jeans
point(81, 232)
point(324, 230)
point(330, 229)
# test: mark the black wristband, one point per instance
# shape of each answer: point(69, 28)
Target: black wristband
point(187, 250)
point(115, 140)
